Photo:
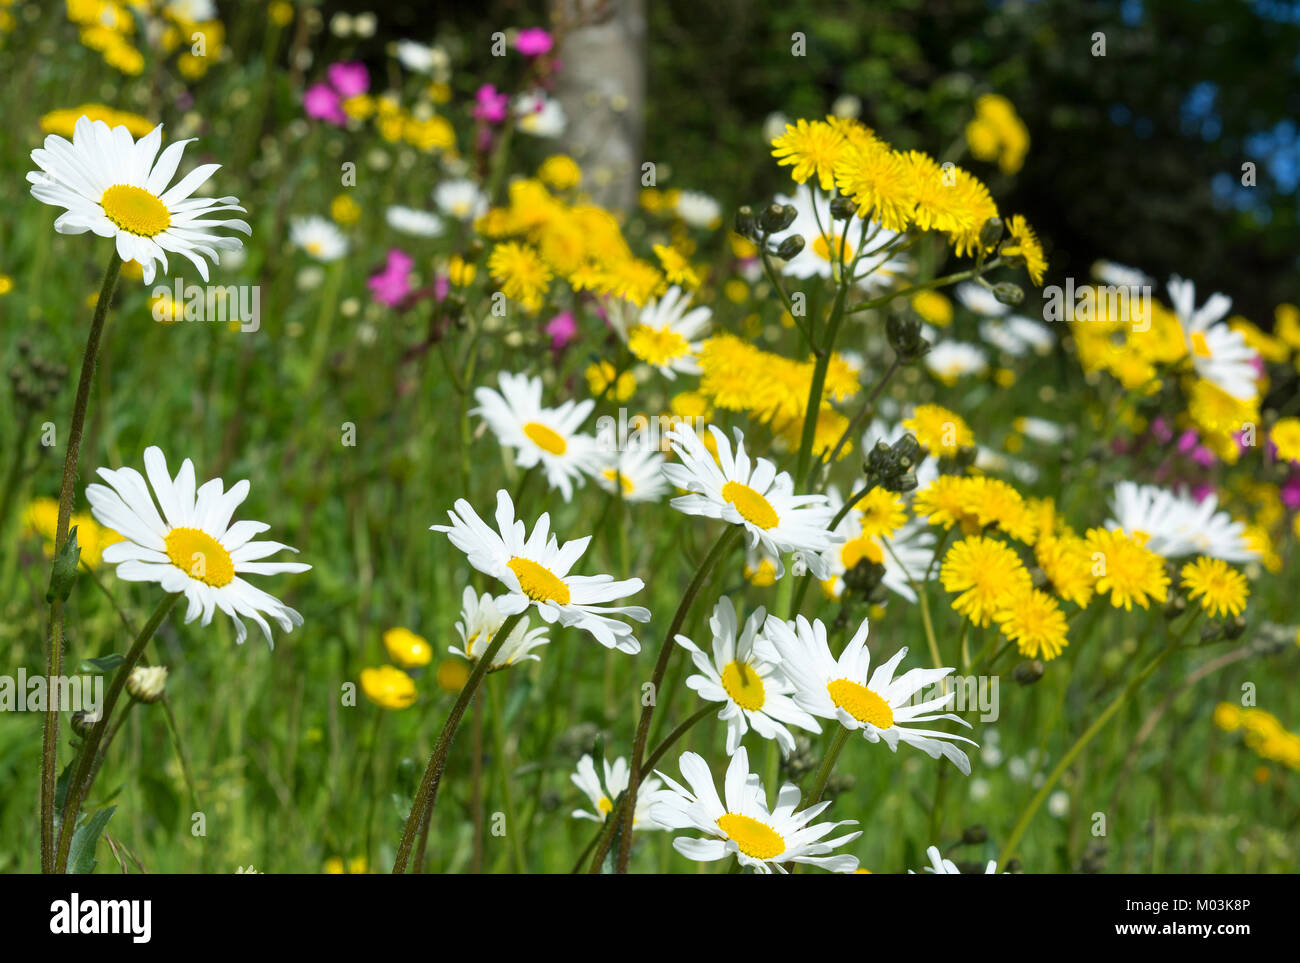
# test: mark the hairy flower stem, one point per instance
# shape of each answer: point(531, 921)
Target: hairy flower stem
point(80, 783)
point(944, 281)
point(1022, 824)
point(427, 795)
point(720, 548)
point(67, 494)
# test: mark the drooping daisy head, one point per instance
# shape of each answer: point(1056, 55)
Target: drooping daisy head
point(117, 187)
point(187, 543)
point(480, 618)
point(740, 822)
point(604, 787)
point(535, 571)
point(751, 494)
point(549, 437)
point(752, 690)
point(878, 704)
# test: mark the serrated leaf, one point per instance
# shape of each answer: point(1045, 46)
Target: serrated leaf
point(81, 855)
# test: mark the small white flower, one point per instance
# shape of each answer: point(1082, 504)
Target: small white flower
point(840, 689)
point(698, 209)
point(1219, 354)
point(753, 495)
point(950, 360)
point(410, 220)
point(978, 298)
point(318, 237)
point(191, 546)
point(762, 839)
point(616, 779)
point(1017, 335)
point(460, 198)
point(636, 471)
point(535, 571)
point(545, 436)
point(539, 115)
point(479, 621)
point(753, 690)
point(110, 184)
point(415, 56)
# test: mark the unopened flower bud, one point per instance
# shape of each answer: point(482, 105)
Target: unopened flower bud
point(777, 217)
point(744, 223)
point(842, 208)
point(991, 233)
point(146, 683)
point(85, 720)
point(1029, 672)
point(790, 247)
point(1008, 293)
point(905, 338)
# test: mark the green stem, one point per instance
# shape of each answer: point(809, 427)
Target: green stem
point(80, 783)
point(67, 494)
point(499, 741)
point(427, 795)
point(818, 787)
point(720, 548)
point(947, 279)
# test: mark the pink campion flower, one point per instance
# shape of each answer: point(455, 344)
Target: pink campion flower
point(391, 285)
point(1290, 491)
point(322, 103)
point(491, 106)
point(1202, 490)
point(533, 42)
point(350, 79)
point(563, 329)
point(1161, 429)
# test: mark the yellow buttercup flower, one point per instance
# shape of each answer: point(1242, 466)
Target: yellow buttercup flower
point(407, 649)
point(334, 866)
point(62, 122)
point(388, 687)
point(452, 674)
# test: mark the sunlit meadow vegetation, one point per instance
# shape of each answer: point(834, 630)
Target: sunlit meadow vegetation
point(819, 531)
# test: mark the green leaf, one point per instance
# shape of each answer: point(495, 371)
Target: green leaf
point(64, 573)
point(61, 792)
point(81, 855)
point(105, 663)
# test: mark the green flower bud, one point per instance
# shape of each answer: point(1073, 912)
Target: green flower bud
point(991, 233)
point(1008, 293)
point(790, 247)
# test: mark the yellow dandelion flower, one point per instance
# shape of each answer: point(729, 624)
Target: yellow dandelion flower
point(1125, 569)
point(939, 431)
point(560, 171)
point(676, 267)
point(1222, 590)
point(987, 573)
point(1067, 563)
point(1022, 244)
point(992, 501)
point(1285, 436)
point(812, 148)
point(933, 308)
point(603, 381)
point(520, 271)
point(1034, 621)
point(881, 513)
point(880, 182)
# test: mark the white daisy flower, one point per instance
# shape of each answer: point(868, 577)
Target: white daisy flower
point(1040, 430)
point(1219, 354)
point(418, 57)
point(761, 838)
point(906, 555)
point(535, 571)
point(831, 688)
point(539, 115)
point(824, 237)
point(1016, 335)
point(460, 198)
point(950, 360)
point(191, 546)
point(602, 796)
point(109, 183)
point(698, 209)
point(946, 867)
point(546, 436)
point(479, 621)
point(1176, 524)
point(978, 298)
point(753, 690)
point(318, 237)
point(1120, 275)
point(753, 495)
point(637, 471)
point(666, 333)
point(410, 220)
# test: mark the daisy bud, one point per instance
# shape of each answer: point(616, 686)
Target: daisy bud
point(790, 247)
point(777, 217)
point(1027, 673)
point(146, 683)
point(1008, 293)
point(991, 233)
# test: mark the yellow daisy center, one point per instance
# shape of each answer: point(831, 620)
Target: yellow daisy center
point(744, 685)
point(200, 556)
point(827, 247)
point(859, 548)
point(538, 582)
point(1200, 346)
point(545, 438)
point(756, 840)
point(657, 346)
point(135, 210)
point(753, 507)
point(612, 474)
point(604, 806)
point(861, 703)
